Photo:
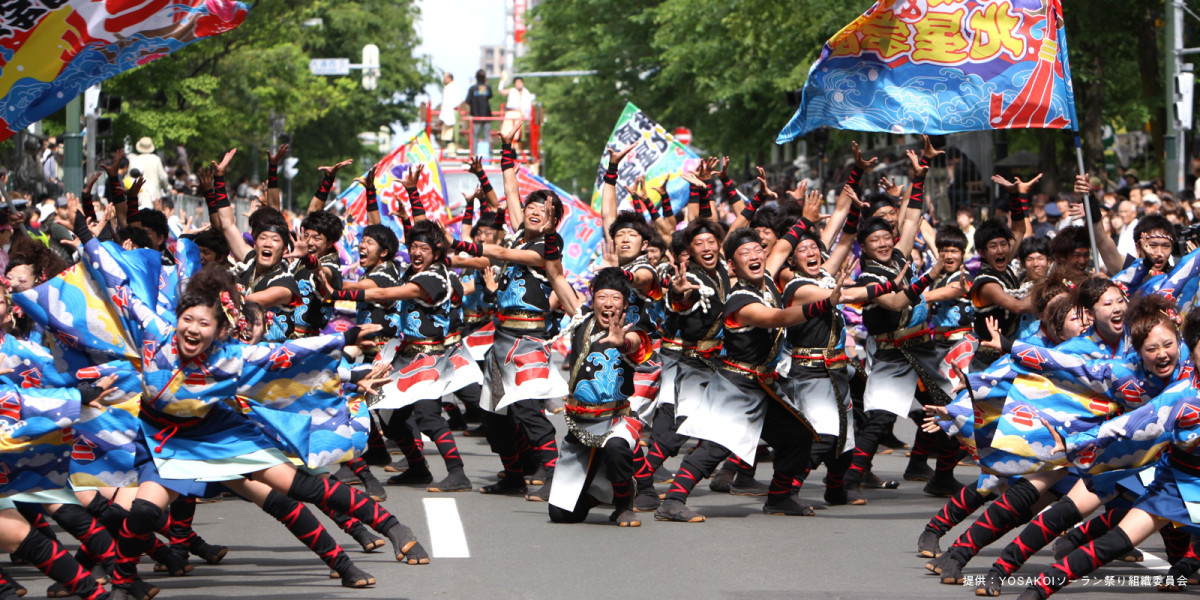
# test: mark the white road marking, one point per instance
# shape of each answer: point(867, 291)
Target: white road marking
point(445, 528)
point(1152, 562)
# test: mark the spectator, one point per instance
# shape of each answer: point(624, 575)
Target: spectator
point(174, 223)
point(517, 106)
point(1127, 212)
point(152, 170)
point(1042, 226)
point(966, 222)
point(50, 167)
point(52, 226)
point(1151, 204)
point(479, 102)
point(448, 115)
point(1053, 220)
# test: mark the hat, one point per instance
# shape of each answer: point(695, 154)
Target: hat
point(1052, 210)
point(1095, 182)
point(1131, 173)
point(1150, 198)
point(61, 202)
point(145, 145)
point(44, 213)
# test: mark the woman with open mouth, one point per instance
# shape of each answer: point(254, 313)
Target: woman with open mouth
point(191, 436)
point(1168, 422)
point(1042, 482)
point(1128, 386)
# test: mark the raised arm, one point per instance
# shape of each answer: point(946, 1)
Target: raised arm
point(321, 196)
point(1113, 259)
point(272, 197)
point(486, 192)
point(508, 166)
point(608, 189)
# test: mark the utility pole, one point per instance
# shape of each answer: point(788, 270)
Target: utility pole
point(1173, 139)
point(73, 149)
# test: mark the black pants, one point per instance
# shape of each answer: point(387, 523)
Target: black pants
point(538, 430)
point(866, 442)
point(791, 439)
point(427, 416)
point(616, 458)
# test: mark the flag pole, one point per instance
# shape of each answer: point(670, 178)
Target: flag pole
point(1087, 207)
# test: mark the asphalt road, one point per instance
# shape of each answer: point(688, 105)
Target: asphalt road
point(514, 551)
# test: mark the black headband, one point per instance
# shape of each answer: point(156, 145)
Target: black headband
point(282, 232)
point(871, 226)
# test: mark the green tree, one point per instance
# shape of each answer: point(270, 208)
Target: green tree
point(221, 93)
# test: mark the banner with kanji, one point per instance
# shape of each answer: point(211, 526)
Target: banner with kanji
point(53, 50)
point(389, 189)
point(657, 155)
point(919, 66)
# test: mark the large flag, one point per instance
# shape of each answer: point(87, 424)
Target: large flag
point(53, 50)
point(911, 66)
point(657, 155)
point(389, 172)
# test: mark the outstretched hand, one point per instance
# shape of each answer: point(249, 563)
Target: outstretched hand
point(765, 189)
point(330, 171)
point(280, 152)
point(413, 176)
point(224, 164)
point(862, 163)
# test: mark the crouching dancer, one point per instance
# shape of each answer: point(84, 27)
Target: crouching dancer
point(601, 433)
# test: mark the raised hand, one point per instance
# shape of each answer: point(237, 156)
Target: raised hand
point(105, 385)
point(929, 152)
point(113, 167)
point(136, 187)
point(723, 174)
point(662, 189)
point(412, 178)
point(330, 171)
point(368, 180)
point(475, 165)
point(204, 178)
point(278, 155)
point(91, 182)
point(224, 164)
point(890, 187)
point(800, 191)
point(616, 156)
point(861, 162)
point(765, 189)
point(918, 169)
point(508, 138)
point(812, 206)
point(1016, 186)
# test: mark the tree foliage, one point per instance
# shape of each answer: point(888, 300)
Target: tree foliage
point(723, 67)
point(221, 93)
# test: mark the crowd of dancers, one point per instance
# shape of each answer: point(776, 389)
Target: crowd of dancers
point(158, 370)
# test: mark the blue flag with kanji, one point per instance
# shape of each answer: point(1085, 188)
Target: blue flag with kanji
point(917, 66)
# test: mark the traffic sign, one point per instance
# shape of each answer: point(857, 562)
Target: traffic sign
point(329, 66)
point(683, 135)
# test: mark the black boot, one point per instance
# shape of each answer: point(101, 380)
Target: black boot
point(1080, 562)
point(455, 481)
point(510, 485)
point(414, 475)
